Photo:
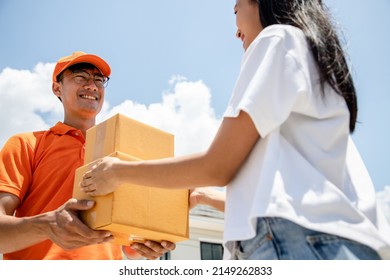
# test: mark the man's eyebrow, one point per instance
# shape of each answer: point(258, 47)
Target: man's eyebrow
point(86, 71)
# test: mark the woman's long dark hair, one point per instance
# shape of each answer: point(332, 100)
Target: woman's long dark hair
point(311, 16)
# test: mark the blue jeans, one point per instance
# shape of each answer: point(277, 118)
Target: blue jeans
point(280, 239)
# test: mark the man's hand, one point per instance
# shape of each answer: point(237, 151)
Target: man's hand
point(69, 232)
point(150, 249)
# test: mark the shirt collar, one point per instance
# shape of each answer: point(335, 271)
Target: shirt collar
point(63, 129)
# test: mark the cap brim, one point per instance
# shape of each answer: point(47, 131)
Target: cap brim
point(95, 60)
point(92, 59)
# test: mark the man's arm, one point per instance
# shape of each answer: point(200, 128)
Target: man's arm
point(61, 226)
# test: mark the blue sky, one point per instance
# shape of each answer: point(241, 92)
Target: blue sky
point(175, 60)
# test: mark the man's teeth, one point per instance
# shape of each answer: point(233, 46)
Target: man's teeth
point(89, 97)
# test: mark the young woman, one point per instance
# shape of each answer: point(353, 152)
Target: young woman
point(296, 185)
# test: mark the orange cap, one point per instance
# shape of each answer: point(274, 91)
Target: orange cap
point(81, 57)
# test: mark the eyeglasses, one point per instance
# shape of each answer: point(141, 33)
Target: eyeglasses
point(83, 78)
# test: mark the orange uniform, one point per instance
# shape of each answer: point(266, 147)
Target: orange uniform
point(38, 168)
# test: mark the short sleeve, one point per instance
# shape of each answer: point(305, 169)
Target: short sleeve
point(16, 158)
point(271, 83)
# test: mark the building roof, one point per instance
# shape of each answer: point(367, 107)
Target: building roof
point(206, 211)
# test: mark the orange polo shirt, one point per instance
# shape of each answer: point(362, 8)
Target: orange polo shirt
point(39, 169)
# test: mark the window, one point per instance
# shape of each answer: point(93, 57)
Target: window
point(166, 256)
point(211, 251)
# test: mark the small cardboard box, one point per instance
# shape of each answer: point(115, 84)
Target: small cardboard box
point(133, 213)
point(137, 213)
point(123, 134)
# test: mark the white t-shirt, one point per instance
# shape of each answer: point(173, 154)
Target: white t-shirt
point(305, 167)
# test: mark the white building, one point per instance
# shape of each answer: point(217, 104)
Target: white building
point(206, 231)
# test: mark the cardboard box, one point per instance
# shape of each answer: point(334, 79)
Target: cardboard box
point(123, 134)
point(137, 213)
point(133, 213)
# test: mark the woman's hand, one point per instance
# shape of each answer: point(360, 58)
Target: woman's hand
point(102, 178)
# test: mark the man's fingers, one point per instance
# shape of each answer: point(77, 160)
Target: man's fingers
point(153, 250)
point(82, 204)
point(168, 245)
point(146, 251)
point(74, 224)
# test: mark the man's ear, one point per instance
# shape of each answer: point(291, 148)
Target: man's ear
point(56, 88)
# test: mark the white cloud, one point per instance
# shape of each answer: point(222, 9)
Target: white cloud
point(184, 111)
point(26, 100)
point(27, 104)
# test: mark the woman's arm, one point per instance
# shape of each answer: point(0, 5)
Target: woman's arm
point(215, 167)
